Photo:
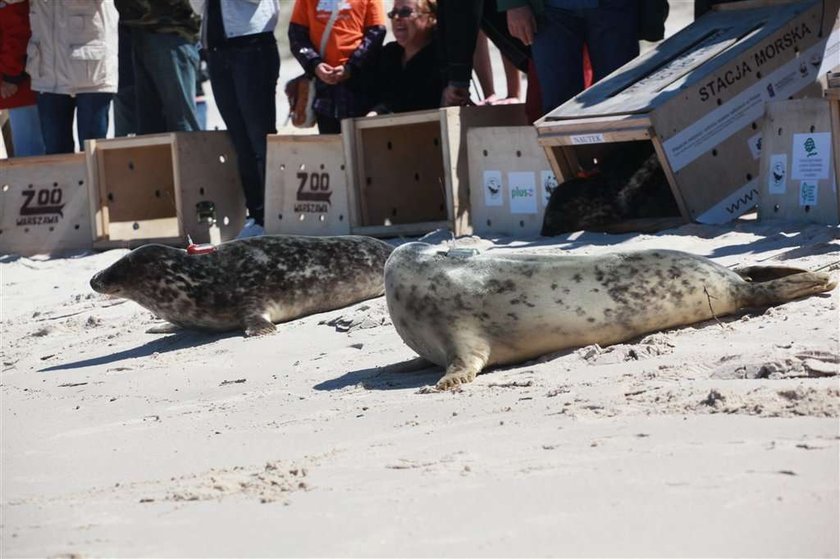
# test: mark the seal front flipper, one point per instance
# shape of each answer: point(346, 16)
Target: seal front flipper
point(258, 325)
point(462, 370)
point(165, 328)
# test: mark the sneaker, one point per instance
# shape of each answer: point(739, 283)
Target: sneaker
point(251, 229)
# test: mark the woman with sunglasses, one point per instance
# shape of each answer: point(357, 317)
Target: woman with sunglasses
point(409, 74)
point(338, 41)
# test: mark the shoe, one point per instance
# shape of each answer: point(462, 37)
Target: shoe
point(251, 229)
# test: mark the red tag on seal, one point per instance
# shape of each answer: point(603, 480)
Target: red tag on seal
point(200, 249)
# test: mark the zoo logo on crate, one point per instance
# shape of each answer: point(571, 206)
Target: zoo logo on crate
point(313, 193)
point(41, 207)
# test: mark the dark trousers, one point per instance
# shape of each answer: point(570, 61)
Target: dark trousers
point(244, 82)
point(56, 113)
point(609, 31)
point(165, 67)
point(328, 124)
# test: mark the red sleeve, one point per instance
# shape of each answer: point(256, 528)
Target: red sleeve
point(14, 37)
point(300, 13)
point(376, 14)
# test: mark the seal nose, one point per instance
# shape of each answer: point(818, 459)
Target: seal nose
point(96, 282)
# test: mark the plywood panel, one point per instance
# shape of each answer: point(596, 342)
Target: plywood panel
point(798, 175)
point(510, 179)
point(306, 186)
point(44, 206)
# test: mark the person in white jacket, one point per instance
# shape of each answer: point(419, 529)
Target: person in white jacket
point(244, 64)
point(72, 59)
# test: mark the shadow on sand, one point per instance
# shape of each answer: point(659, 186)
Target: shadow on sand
point(415, 373)
point(169, 342)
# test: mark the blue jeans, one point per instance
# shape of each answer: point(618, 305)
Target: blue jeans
point(610, 32)
point(26, 131)
point(165, 66)
point(56, 113)
point(244, 83)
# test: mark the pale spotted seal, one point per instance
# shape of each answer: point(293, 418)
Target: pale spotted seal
point(250, 283)
point(467, 312)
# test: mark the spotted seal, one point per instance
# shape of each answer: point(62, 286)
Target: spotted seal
point(465, 312)
point(250, 283)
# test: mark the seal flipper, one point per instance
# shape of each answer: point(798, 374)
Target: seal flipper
point(165, 328)
point(462, 370)
point(783, 288)
point(258, 325)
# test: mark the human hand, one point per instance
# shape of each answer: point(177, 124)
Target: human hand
point(325, 73)
point(7, 89)
point(455, 96)
point(522, 24)
point(341, 73)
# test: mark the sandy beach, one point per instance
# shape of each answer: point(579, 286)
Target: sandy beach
point(718, 439)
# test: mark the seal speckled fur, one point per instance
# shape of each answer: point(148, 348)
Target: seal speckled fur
point(467, 312)
point(251, 283)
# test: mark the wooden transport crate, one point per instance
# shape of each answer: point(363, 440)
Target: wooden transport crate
point(699, 97)
point(44, 205)
point(306, 186)
point(408, 173)
point(510, 180)
point(163, 187)
point(798, 178)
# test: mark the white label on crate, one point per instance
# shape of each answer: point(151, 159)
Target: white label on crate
point(811, 156)
point(755, 145)
point(748, 106)
point(523, 192)
point(734, 205)
point(548, 184)
point(777, 175)
point(493, 188)
point(588, 139)
point(808, 193)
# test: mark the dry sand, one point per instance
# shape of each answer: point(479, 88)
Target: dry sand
point(719, 439)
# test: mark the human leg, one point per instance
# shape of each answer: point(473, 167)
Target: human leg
point(27, 138)
point(55, 111)
point(165, 71)
point(92, 116)
point(255, 74)
point(557, 49)
point(611, 35)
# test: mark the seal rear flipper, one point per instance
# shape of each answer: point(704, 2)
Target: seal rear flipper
point(784, 289)
point(766, 273)
point(258, 325)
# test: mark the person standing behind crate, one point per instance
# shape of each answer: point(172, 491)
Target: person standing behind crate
point(164, 37)
point(343, 87)
point(557, 30)
point(409, 74)
point(15, 85)
point(242, 57)
point(72, 59)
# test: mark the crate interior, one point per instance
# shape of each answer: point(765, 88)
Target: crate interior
point(402, 174)
point(137, 185)
point(603, 173)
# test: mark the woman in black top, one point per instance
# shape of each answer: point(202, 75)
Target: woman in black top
point(409, 76)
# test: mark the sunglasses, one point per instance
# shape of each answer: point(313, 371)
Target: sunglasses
point(403, 13)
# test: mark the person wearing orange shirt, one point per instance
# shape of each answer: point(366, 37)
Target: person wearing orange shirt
point(343, 87)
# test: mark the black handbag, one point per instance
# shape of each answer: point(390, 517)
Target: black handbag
point(652, 16)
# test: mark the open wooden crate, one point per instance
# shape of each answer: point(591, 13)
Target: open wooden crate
point(44, 205)
point(699, 98)
point(306, 185)
point(163, 187)
point(408, 173)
